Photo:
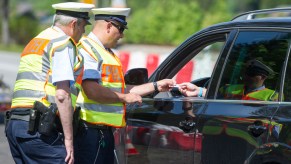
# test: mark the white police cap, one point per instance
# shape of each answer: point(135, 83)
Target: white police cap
point(116, 14)
point(74, 9)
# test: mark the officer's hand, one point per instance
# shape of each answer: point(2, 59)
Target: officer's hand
point(131, 98)
point(70, 151)
point(165, 85)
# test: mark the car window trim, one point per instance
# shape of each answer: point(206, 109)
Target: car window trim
point(158, 74)
point(202, 100)
point(224, 54)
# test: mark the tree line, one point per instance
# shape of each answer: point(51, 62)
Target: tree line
point(163, 22)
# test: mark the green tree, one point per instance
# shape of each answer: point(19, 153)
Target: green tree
point(217, 12)
point(23, 28)
point(45, 6)
point(167, 22)
point(5, 22)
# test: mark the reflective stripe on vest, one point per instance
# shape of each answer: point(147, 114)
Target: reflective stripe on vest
point(237, 92)
point(34, 81)
point(112, 78)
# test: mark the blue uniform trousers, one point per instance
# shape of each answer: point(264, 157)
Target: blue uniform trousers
point(94, 146)
point(34, 148)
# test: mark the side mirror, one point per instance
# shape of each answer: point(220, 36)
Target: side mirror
point(136, 76)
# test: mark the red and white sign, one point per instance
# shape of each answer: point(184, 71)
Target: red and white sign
point(199, 67)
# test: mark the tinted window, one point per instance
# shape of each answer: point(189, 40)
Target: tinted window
point(254, 65)
point(287, 84)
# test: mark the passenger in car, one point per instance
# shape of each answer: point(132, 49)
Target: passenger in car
point(252, 89)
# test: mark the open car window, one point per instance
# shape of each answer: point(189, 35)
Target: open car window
point(195, 62)
point(199, 69)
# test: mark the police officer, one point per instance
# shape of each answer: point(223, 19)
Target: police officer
point(253, 88)
point(104, 93)
point(49, 72)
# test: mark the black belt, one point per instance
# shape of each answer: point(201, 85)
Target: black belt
point(12, 116)
point(19, 117)
point(94, 126)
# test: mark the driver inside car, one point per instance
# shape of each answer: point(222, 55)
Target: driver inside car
point(253, 87)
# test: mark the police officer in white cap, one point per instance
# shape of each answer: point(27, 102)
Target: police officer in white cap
point(48, 73)
point(253, 87)
point(104, 93)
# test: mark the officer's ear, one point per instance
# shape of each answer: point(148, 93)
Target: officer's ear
point(71, 27)
point(108, 26)
point(74, 24)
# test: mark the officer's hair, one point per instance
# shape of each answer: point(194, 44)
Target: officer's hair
point(64, 20)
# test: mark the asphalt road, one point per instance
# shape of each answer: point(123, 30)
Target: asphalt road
point(8, 70)
point(5, 155)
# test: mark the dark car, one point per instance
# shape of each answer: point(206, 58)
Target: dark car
point(218, 129)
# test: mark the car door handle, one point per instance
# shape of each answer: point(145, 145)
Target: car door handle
point(256, 130)
point(187, 125)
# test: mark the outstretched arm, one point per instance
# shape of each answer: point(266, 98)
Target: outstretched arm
point(191, 90)
point(98, 93)
point(148, 88)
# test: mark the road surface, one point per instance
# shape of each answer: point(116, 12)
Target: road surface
point(8, 70)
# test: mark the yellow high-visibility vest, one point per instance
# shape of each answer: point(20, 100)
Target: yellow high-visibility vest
point(34, 81)
point(112, 78)
point(237, 92)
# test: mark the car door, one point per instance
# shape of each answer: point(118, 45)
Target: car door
point(162, 129)
point(278, 146)
point(233, 128)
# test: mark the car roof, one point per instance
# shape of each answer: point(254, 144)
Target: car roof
point(273, 12)
point(279, 23)
point(267, 22)
point(269, 18)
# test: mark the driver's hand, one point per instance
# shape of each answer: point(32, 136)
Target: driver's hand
point(189, 89)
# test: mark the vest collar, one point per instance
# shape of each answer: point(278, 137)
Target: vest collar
point(58, 29)
point(94, 37)
point(254, 90)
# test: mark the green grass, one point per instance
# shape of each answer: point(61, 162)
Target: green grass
point(11, 47)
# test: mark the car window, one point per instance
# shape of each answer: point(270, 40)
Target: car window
point(253, 68)
point(201, 65)
point(287, 84)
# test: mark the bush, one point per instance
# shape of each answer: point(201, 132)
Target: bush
point(23, 29)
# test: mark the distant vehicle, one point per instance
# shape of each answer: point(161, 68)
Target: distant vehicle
point(170, 128)
point(5, 98)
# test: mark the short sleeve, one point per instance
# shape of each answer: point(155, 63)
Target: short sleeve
point(63, 65)
point(90, 66)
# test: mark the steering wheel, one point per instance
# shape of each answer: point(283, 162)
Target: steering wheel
point(206, 83)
